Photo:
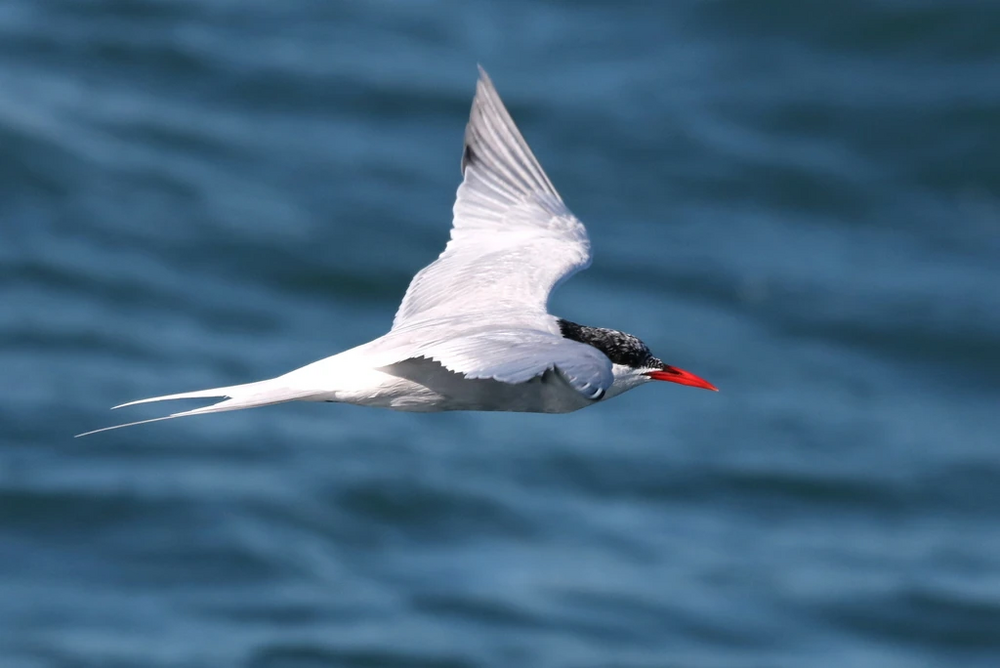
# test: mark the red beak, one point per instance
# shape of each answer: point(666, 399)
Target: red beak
point(681, 377)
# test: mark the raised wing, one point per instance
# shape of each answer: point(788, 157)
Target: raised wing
point(512, 241)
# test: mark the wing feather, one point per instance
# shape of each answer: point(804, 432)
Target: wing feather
point(509, 354)
point(512, 240)
point(480, 309)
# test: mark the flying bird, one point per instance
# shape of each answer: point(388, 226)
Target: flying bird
point(473, 331)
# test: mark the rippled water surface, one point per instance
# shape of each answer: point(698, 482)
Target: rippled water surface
point(798, 201)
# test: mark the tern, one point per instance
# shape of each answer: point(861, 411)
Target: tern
point(473, 331)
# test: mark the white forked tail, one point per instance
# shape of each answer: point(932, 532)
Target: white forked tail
point(237, 397)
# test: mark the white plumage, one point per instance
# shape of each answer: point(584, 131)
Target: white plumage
point(473, 331)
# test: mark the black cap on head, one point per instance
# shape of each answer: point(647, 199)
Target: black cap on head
point(620, 348)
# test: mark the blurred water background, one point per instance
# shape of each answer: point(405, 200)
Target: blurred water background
point(799, 201)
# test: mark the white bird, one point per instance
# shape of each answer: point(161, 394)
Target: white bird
point(473, 331)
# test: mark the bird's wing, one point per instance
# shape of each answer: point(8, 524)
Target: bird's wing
point(506, 354)
point(512, 241)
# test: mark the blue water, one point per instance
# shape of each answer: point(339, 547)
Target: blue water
point(798, 201)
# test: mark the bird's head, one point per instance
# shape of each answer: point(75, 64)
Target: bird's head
point(632, 362)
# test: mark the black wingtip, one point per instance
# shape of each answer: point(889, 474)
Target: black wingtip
point(468, 157)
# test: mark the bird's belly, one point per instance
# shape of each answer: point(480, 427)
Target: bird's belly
point(425, 386)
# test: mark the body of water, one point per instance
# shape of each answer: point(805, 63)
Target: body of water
point(798, 201)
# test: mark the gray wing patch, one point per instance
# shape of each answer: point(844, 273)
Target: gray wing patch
point(511, 355)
